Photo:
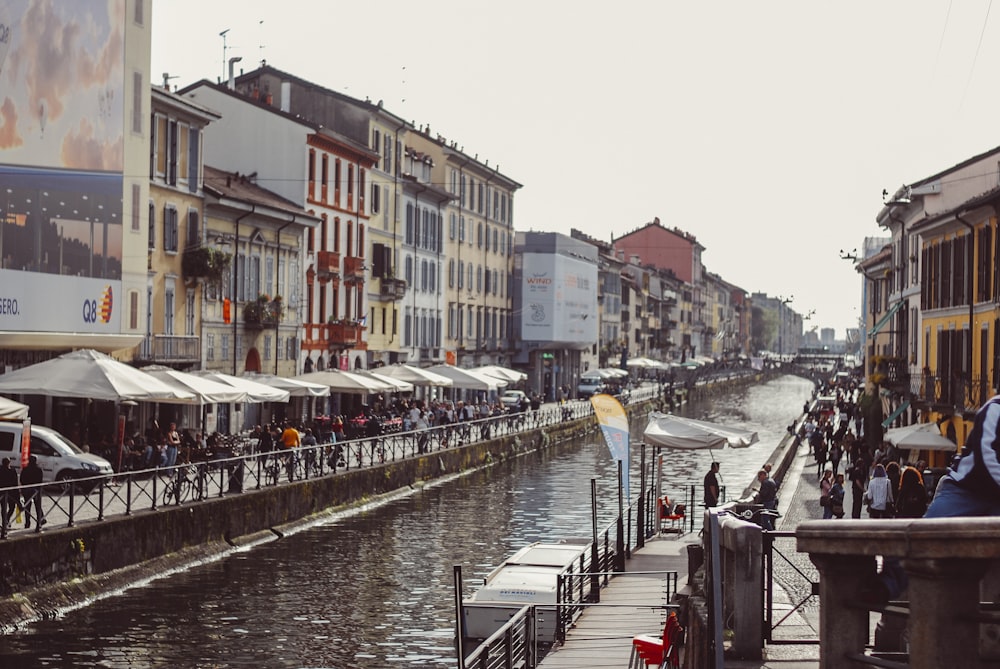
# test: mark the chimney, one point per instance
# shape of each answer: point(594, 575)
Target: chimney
point(232, 67)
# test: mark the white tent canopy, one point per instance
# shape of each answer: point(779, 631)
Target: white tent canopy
point(919, 436)
point(205, 390)
point(504, 373)
point(255, 392)
point(295, 387)
point(347, 382)
point(88, 373)
point(686, 433)
point(399, 384)
point(11, 410)
point(466, 378)
point(418, 376)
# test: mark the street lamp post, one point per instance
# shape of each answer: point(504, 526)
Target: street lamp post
point(783, 302)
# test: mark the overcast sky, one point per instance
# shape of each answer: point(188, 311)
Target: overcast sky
point(768, 130)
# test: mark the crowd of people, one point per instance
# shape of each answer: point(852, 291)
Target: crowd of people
point(879, 479)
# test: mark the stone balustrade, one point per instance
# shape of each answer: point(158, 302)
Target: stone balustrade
point(945, 560)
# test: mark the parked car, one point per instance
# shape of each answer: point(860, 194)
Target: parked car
point(59, 458)
point(589, 386)
point(512, 398)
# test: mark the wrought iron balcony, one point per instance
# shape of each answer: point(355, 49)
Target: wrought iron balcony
point(392, 289)
point(169, 349)
point(262, 313)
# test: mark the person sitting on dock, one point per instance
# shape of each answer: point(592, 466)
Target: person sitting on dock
point(767, 496)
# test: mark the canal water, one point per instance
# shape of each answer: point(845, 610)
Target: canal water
point(374, 588)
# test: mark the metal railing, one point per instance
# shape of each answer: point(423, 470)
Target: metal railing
point(69, 502)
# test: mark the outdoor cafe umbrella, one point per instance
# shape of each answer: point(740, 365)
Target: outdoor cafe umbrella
point(418, 376)
point(919, 436)
point(92, 374)
point(397, 384)
point(205, 390)
point(295, 387)
point(509, 375)
point(11, 410)
point(467, 378)
point(346, 382)
point(673, 431)
point(255, 392)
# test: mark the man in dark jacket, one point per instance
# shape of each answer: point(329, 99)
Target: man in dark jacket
point(30, 476)
point(8, 495)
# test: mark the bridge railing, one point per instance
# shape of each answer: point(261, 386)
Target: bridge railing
point(945, 561)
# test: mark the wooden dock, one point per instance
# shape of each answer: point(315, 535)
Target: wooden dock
point(632, 603)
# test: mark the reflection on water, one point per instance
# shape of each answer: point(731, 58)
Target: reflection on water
point(375, 589)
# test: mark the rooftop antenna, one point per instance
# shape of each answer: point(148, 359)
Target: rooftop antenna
point(166, 80)
point(260, 47)
point(223, 36)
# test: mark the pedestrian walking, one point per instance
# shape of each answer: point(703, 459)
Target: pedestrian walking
point(31, 477)
point(837, 497)
point(9, 495)
point(825, 485)
point(879, 494)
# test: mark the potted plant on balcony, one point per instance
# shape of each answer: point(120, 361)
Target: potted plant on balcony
point(263, 310)
point(204, 262)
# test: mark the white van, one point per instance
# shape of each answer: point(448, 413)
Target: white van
point(59, 458)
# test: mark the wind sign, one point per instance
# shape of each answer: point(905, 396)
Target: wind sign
point(614, 426)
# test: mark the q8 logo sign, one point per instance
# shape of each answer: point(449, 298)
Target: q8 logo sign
point(99, 310)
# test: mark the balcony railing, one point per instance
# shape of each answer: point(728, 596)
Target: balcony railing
point(327, 265)
point(344, 335)
point(392, 289)
point(169, 349)
point(950, 392)
point(354, 269)
point(260, 314)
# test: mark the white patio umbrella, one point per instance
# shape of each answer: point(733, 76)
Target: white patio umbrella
point(509, 375)
point(598, 374)
point(614, 371)
point(88, 373)
point(255, 392)
point(398, 384)
point(919, 437)
point(418, 376)
point(205, 390)
point(687, 433)
point(347, 382)
point(295, 387)
point(11, 410)
point(466, 378)
point(640, 362)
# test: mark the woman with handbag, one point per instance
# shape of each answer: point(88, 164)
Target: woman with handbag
point(879, 494)
point(824, 493)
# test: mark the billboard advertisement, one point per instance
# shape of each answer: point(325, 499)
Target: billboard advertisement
point(62, 109)
point(558, 299)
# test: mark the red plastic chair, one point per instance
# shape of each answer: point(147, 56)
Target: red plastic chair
point(671, 516)
point(663, 651)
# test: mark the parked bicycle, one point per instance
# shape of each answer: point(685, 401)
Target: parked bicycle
point(181, 487)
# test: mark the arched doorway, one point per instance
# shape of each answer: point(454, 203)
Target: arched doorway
point(253, 360)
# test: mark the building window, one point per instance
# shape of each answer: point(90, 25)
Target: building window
point(193, 234)
point(138, 15)
point(376, 204)
point(210, 347)
point(137, 94)
point(133, 310)
point(461, 274)
point(225, 347)
point(267, 347)
point(136, 195)
point(194, 164)
point(152, 225)
point(189, 312)
point(170, 232)
point(168, 307)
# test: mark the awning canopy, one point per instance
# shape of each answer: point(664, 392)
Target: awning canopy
point(895, 414)
point(886, 318)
